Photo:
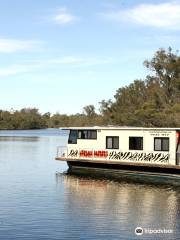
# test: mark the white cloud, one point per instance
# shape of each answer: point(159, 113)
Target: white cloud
point(162, 40)
point(163, 15)
point(64, 17)
point(13, 45)
point(13, 70)
point(68, 61)
point(78, 61)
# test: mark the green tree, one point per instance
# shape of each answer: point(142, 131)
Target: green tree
point(152, 102)
point(89, 111)
point(166, 68)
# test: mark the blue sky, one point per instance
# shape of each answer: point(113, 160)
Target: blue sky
point(59, 56)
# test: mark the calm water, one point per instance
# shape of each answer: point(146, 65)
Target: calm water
point(38, 201)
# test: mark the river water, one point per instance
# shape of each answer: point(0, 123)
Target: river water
point(38, 200)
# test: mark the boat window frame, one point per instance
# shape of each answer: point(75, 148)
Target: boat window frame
point(113, 137)
point(161, 138)
point(142, 143)
point(88, 138)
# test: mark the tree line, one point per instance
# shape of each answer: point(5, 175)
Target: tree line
point(31, 118)
point(151, 102)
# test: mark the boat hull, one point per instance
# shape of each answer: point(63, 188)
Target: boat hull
point(133, 173)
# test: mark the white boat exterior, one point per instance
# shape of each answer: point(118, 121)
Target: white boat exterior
point(156, 146)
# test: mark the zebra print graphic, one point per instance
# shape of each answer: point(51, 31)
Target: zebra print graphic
point(73, 153)
point(148, 157)
point(131, 156)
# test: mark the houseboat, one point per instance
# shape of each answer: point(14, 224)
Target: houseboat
point(133, 151)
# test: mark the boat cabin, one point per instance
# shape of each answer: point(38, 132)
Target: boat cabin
point(123, 144)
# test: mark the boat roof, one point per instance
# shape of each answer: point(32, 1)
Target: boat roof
point(118, 128)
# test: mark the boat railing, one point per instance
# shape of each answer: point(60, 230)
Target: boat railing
point(62, 151)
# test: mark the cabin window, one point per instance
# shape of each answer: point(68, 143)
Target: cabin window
point(135, 143)
point(112, 142)
point(87, 134)
point(161, 144)
point(72, 137)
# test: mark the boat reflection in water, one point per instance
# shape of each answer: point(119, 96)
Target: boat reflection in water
point(117, 208)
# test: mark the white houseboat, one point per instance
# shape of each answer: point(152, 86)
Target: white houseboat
point(132, 149)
